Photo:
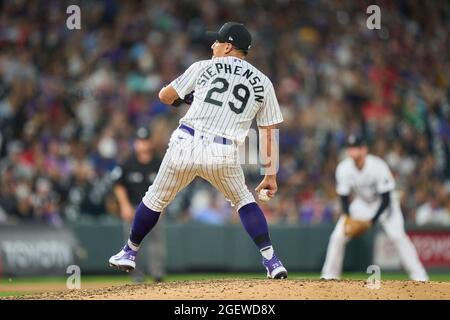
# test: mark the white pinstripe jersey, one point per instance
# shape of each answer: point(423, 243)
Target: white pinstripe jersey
point(229, 93)
point(368, 183)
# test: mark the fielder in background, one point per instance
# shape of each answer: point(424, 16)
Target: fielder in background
point(131, 180)
point(227, 93)
point(372, 183)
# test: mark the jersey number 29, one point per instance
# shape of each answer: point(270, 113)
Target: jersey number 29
point(237, 93)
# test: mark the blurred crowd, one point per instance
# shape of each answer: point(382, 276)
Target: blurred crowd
point(70, 100)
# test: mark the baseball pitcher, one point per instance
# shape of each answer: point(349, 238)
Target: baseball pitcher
point(227, 93)
point(372, 183)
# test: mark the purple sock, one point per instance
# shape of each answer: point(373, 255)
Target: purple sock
point(255, 224)
point(144, 221)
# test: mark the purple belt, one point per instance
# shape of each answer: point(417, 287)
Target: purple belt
point(217, 139)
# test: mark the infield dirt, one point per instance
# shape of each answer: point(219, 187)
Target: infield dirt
point(256, 290)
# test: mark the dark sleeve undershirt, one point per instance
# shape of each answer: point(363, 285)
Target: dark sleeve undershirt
point(385, 200)
point(345, 204)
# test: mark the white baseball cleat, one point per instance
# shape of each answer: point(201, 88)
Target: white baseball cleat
point(420, 278)
point(275, 269)
point(124, 260)
point(329, 277)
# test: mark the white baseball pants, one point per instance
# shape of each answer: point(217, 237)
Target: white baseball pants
point(190, 156)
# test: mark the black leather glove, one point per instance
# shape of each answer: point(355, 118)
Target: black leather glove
point(188, 99)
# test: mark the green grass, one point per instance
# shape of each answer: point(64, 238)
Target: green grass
point(210, 276)
point(56, 279)
point(13, 293)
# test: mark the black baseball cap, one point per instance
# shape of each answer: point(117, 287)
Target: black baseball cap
point(143, 133)
point(235, 33)
point(354, 140)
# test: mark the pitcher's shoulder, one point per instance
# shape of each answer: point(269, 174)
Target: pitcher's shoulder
point(203, 63)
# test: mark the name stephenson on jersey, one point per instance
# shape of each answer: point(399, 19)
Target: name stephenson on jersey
point(374, 179)
point(228, 93)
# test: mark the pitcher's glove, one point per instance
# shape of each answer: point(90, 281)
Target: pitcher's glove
point(354, 228)
point(188, 99)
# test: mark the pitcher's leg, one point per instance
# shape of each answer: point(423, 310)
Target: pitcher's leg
point(144, 221)
point(176, 172)
point(138, 273)
point(255, 224)
point(332, 267)
point(230, 181)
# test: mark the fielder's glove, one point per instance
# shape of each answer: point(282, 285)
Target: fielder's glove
point(354, 228)
point(188, 99)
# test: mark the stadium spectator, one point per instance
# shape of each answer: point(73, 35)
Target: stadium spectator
point(70, 100)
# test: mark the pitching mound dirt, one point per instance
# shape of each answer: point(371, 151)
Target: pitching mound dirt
point(259, 289)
